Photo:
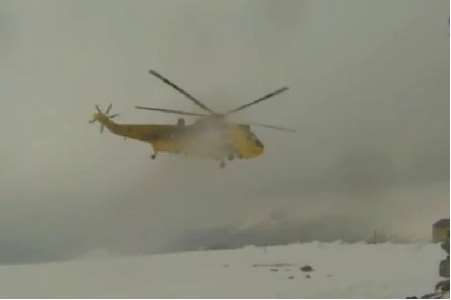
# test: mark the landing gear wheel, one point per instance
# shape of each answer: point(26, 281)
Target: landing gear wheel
point(153, 156)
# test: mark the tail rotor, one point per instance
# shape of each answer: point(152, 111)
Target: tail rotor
point(102, 117)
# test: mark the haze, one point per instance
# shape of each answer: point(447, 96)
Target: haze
point(369, 97)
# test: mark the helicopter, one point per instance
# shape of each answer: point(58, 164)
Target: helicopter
point(210, 136)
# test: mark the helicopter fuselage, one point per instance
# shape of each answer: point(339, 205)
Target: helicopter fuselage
point(207, 138)
point(210, 136)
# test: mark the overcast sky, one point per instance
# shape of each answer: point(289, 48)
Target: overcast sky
point(369, 97)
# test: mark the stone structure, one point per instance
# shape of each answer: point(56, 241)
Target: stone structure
point(440, 231)
point(440, 234)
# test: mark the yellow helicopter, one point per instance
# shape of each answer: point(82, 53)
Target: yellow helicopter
point(211, 136)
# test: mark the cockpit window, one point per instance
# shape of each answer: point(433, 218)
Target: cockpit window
point(258, 143)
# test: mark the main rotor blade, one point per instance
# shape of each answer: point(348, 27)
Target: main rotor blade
point(272, 94)
point(98, 109)
point(171, 111)
point(271, 127)
point(179, 89)
point(113, 116)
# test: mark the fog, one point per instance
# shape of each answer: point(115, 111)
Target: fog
point(369, 98)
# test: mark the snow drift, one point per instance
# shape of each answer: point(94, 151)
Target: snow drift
point(339, 271)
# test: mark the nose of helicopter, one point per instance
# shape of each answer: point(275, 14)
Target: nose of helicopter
point(258, 149)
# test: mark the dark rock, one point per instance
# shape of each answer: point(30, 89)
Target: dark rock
point(431, 296)
point(291, 277)
point(440, 231)
point(306, 268)
point(444, 267)
point(412, 297)
point(445, 246)
point(442, 286)
point(427, 296)
point(307, 276)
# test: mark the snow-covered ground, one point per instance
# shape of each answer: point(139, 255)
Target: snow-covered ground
point(340, 271)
